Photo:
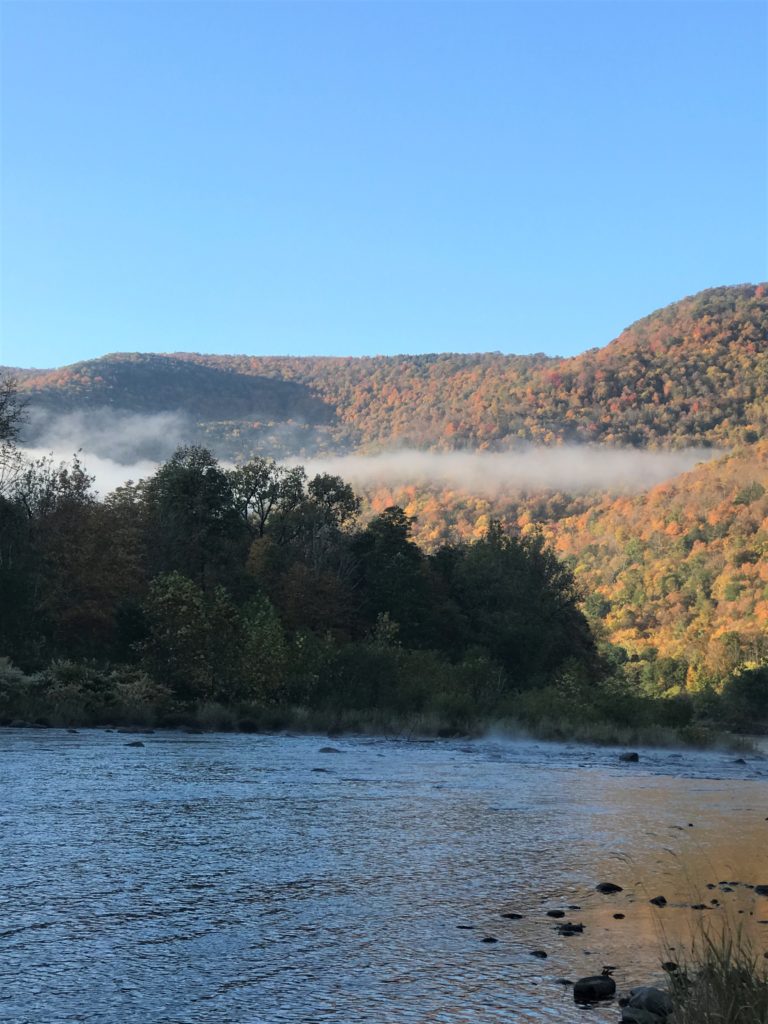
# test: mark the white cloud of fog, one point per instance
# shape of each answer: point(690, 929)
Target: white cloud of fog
point(571, 468)
point(109, 434)
point(117, 446)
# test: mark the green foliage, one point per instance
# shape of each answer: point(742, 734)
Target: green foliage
point(192, 525)
point(745, 698)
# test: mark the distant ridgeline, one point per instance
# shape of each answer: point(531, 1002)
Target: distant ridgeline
point(679, 571)
point(695, 372)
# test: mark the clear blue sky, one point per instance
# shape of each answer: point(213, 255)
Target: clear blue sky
point(360, 177)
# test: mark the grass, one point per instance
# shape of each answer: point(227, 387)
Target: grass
point(724, 981)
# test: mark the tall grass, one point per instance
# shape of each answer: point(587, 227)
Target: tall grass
point(723, 981)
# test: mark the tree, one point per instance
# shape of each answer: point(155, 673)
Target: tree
point(11, 411)
point(192, 523)
point(520, 601)
point(261, 488)
point(176, 649)
point(392, 575)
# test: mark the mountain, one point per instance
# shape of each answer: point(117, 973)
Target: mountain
point(693, 373)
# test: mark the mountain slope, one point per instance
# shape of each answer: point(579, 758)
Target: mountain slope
point(681, 570)
point(695, 372)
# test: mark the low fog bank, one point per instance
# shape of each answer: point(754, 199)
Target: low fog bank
point(110, 435)
point(573, 469)
point(117, 446)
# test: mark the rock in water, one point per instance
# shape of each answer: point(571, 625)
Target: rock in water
point(593, 989)
point(608, 887)
point(135, 743)
point(631, 755)
point(569, 928)
point(329, 750)
point(652, 1000)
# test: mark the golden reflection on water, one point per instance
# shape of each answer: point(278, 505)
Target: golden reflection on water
point(705, 867)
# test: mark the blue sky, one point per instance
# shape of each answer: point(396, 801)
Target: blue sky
point(358, 177)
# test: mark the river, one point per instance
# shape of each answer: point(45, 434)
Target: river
point(256, 880)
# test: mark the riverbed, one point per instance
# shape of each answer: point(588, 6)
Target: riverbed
point(244, 879)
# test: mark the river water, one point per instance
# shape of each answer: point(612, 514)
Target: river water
point(256, 880)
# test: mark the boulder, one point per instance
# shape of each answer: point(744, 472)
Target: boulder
point(631, 755)
point(594, 988)
point(659, 901)
point(646, 1005)
point(608, 887)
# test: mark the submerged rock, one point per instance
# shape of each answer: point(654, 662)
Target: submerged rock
point(512, 916)
point(555, 913)
point(540, 953)
point(135, 743)
point(594, 988)
point(647, 1005)
point(329, 750)
point(569, 928)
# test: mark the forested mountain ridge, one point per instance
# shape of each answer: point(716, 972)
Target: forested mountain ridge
point(694, 372)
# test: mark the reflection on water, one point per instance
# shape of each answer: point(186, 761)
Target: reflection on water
point(224, 878)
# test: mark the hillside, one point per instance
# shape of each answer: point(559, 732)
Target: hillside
point(695, 372)
point(681, 570)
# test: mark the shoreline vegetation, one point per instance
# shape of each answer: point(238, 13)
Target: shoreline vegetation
point(69, 695)
point(723, 980)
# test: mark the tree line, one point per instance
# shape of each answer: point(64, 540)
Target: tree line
point(257, 585)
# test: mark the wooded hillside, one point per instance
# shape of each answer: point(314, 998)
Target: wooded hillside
point(695, 372)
